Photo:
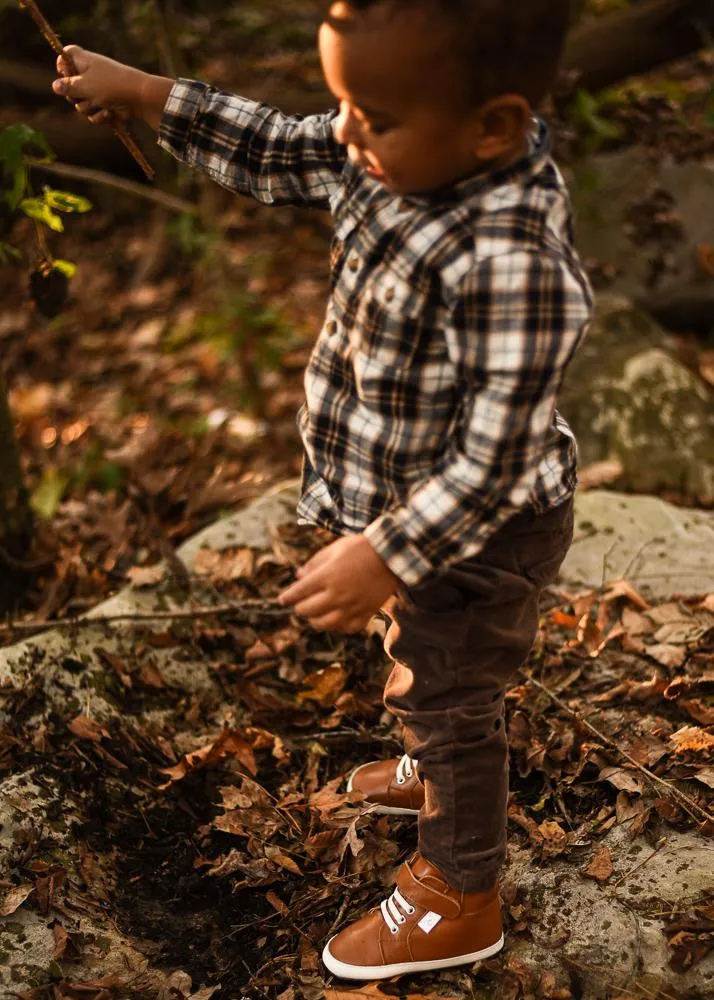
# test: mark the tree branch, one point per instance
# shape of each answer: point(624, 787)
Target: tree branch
point(93, 176)
point(250, 608)
point(637, 40)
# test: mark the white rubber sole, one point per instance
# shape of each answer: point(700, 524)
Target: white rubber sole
point(345, 971)
point(375, 807)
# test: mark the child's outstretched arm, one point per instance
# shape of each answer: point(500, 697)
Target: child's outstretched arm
point(246, 146)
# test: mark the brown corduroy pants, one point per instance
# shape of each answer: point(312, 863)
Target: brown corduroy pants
point(456, 643)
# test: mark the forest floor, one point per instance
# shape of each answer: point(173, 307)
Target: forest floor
point(198, 767)
point(148, 409)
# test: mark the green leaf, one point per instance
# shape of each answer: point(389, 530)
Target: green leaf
point(8, 253)
point(13, 141)
point(109, 476)
point(48, 495)
point(66, 267)
point(584, 112)
point(37, 208)
point(14, 196)
point(63, 201)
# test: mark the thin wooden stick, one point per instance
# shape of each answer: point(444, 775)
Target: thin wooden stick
point(235, 608)
point(690, 805)
point(55, 43)
point(93, 176)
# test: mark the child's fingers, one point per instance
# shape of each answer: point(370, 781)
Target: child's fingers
point(71, 60)
point(100, 118)
point(75, 54)
point(69, 86)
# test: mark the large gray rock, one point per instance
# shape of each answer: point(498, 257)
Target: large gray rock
point(612, 935)
point(661, 549)
point(629, 398)
point(647, 219)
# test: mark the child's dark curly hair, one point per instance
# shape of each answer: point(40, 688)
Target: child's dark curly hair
point(504, 46)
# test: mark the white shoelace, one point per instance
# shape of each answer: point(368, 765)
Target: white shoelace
point(405, 769)
point(396, 909)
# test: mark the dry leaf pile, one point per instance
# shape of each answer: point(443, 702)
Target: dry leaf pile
point(214, 827)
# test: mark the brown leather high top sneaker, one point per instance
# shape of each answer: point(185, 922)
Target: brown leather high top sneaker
point(424, 925)
point(392, 785)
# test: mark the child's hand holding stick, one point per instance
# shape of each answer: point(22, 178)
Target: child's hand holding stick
point(66, 66)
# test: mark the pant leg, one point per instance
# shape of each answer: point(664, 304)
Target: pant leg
point(456, 643)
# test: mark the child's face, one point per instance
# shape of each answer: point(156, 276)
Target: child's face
point(401, 117)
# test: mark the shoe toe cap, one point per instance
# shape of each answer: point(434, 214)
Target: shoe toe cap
point(354, 947)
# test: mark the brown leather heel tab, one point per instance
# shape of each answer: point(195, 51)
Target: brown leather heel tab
point(431, 899)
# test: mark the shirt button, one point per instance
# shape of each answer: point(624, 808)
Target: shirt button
point(331, 327)
point(389, 295)
point(353, 262)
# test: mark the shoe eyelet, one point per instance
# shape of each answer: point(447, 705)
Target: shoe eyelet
point(402, 921)
point(395, 930)
point(400, 781)
point(411, 910)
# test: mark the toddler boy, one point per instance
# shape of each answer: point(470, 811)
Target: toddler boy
point(432, 443)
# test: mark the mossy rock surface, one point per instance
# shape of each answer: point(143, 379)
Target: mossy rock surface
point(628, 397)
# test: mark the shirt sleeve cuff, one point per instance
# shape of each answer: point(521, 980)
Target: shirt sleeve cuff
point(395, 548)
point(180, 112)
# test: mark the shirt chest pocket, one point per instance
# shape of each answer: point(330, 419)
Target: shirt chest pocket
point(400, 359)
point(390, 319)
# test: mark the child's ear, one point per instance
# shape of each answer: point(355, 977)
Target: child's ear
point(502, 124)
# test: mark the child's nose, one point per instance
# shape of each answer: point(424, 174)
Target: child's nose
point(347, 130)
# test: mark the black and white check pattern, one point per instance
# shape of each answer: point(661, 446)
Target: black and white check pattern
point(430, 416)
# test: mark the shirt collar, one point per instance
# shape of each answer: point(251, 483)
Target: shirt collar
point(539, 148)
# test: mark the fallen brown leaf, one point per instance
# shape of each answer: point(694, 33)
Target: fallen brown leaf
point(554, 838)
point(621, 588)
point(146, 576)
point(600, 868)
point(324, 685)
point(692, 739)
point(706, 776)
point(369, 992)
point(13, 899)
point(280, 858)
point(667, 654)
point(151, 676)
point(277, 903)
point(88, 729)
point(226, 565)
point(623, 779)
point(117, 665)
point(229, 744)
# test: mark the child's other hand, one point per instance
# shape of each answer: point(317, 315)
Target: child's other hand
point(101, 87)
point(341, 587)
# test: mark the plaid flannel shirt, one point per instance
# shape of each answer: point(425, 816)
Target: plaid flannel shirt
point(430, 395)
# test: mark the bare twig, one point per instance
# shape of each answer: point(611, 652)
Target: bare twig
point(92, 176)
point(689, 804)
point(643, 991)
point(234, 608)
point(640, 864)
point(55, 43)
